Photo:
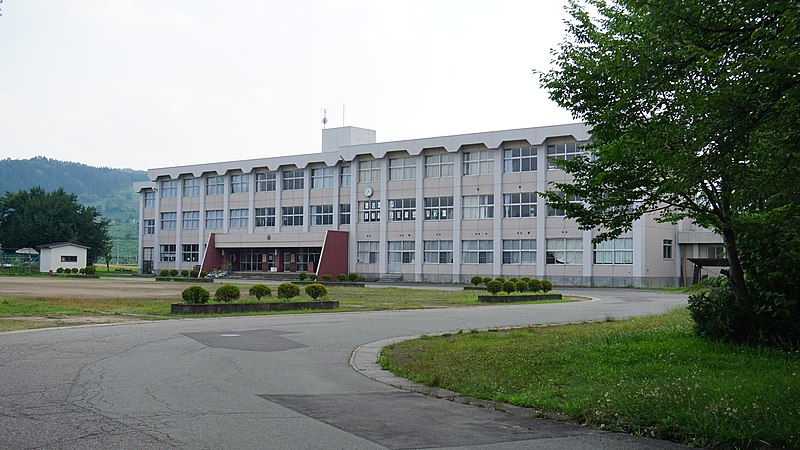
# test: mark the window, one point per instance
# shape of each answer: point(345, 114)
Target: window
point(438, 252)
point(265, 181)
point(191, 187)
point(403, 168)
point(191, 252)
point(322, 215)
point(477, 252)
point(439, 166)
point(438, 208)
point(614, 251)
point(563, 152)
point(149, 199)
point(402, 209)
point(214, 218)
point(521, 159)
point(344, 214)
point(167, 252)
point(551, 211)
point(370, 210)
point(322, 178)
point(478, 163)
point(239, 218)
point(293, 179)
point(401, 252)
point(717, 252)
point(369, 171)
point(169, 188)
point(666, 249)
point(477, 207)
point(169, 220)
point(215, 185)
point(191, 220)
point(519, 251)
point(367, 252)
point(564, 251)
point(344, 174)
point(69, 258)
point(519, 205)
point(265, 217)
point(292, 216)
point(240, 184)
point(149, 226)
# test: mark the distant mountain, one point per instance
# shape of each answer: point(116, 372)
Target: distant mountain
point(109, 190)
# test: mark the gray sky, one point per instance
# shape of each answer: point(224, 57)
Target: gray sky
point(154, 83)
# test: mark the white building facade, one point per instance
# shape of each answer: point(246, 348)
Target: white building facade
point(436, 209)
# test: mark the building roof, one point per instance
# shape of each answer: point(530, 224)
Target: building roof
point(63, 244)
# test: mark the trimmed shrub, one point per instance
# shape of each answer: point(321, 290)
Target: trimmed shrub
point(547, 285)
point(513, 280)
point(521, 286)
point(526, 279)
point(227, 292)
point(82, 271)
point(203, 274)
point(193, 273)
point(184, 273)
point(352, 276)
point(476, 280)
point(195, 294)
point(494, 287)
point(302, 276)
point(500, 279)
point(316, 290)
point(509, 287)
point(327, 277)
point(341, 278)
point(486, 280)
point(74, 270)
point(173, 272)
point(312, 277)
point(60, 270)
point(535, 285)
point(288, 290)
point(164, 272)
point(90, 270)
point(260, 290)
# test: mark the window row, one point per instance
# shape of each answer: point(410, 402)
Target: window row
point(239, 218)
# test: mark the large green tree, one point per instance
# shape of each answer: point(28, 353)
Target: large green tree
point(695, 110)
point(35, 217)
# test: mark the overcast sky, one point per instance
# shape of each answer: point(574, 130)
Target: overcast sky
point(155, 83)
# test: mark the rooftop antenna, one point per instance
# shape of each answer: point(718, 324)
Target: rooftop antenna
point(324, 118)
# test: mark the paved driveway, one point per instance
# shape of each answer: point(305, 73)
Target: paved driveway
point(270, 382)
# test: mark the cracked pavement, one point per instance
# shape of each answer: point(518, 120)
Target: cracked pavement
point(280, 381)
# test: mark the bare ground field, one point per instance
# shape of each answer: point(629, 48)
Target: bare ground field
point(103, 288)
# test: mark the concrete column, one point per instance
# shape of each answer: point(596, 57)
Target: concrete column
point(226, 195)
point(278, 210)
point(497, 222)
point(178, 226)
point(140, 250)
point(251, 201)
point(306, 198)
point(419, 199)
point(541, 211)
point(383, 246)
point(456, 219)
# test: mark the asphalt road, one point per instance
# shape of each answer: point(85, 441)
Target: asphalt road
point(271, 382)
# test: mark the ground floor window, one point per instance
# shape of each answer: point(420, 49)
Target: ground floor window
point(519, 251)
point(167, 252)
point(69, 258)
point(191, 252)
point(477, 252)
point(401, 252)
point(614, 251)
point(666, 249)
point(564, 251)
point(438, 252)
point(368, 252)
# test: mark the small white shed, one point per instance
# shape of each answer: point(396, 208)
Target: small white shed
point(61, 254)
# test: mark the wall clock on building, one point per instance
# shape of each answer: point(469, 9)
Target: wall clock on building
point(368, 191)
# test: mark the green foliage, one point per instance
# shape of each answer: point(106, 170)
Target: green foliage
point(60, 270)
point(316, 290)
point(260, 290)
point(535, 285)
point(352, 276)
point(476, 280)
point(82, 271)
point(341, 277)
point(195, 294)
point(184, 273)
point(173, 272)
point(513, 279)
point(521, 286)
point(312, 277)
point(526, 279)
point(486, 280)
point(227, 292)
point(327, 277)
point(302, 276)
point(203, 274)
point(33, 218)
point(90, 270)
point(494, 287)
point(74, 270)
point(193, 273)
point(288, 290)
point(500, 279)
point(164, 272)
point(509, 287)
point(547, 285)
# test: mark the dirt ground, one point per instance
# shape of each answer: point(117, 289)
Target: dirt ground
point(62, 287)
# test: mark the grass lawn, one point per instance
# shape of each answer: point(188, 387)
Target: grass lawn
point(649, 376)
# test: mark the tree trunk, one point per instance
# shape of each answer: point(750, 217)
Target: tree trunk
point(736, 273)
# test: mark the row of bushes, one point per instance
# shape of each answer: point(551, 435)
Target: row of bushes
point(90, 270)
point(341, 278)
point(229, 292)
point(184, 273)
point(524, 284)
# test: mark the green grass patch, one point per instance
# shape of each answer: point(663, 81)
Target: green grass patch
point(649, 376)
point(54, 307)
